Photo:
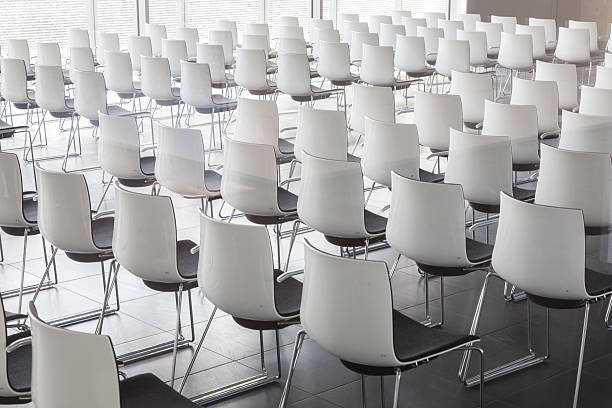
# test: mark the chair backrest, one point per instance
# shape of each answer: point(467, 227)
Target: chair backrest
point(469, 21)
point(65, 224)
point(249, 182)
point(474, 89)
point(453, 56)
point(508, 22)
point(119, 151)
point(376, 102)
point(318, 23)
point(13, 77)
point(288, 21)
point(478, 45)
point(293, 76)
point(156, 78)
point(573, 45)
point(321, 133)
point(544, 95)
point(139, 46)
point(191, 37)
point(233, 283)
point(493, 32)
point(118, 72)
point(358, 40)
point(19, 49)
point(180, 161)
point(71, 368)
point(225, 39)
point(434, 115)
point(427, 222)
point(255, 42)
point(390, 147)
point(227, 25)
point(432, 18)
point(591, 26)
point(538, 38)
point(196, 85)
point(334, 61)
point(410, 53)
point(551, 243)
point(257, 122)
point(291, 32)
point(331, 197)
point(432, 36)
point(561, 183)
point(49, 54)
point(411, 24)
point(324, 35)
point(251, 69)
point(377, 65)
point(517, 122)
point(550, 28)
point(397, 15)
point(481, 164)
point(152, 216)
point(213, 56)
point(375, 21)
point(81, 59)
point(175, 51)
point(595, 101)
point(78, 38)
point(106, 42)
point(347, 308)
point(515, 51)
point(89, 94)
point(389, 32)
point(603, 78)
point(259, 29)
point(343, 20)
point(11, 200)
point(566, 78)
point(292, 46)
point(157, 33)
point(450, 28)
point(586, 133)
point(49, 88)
point(350, 26)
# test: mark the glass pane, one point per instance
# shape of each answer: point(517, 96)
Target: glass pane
point(117, 16)
point(366, 8)
point(164, 12)
point(326, 10)
point(296, 8)
point(202, 14)
point(39, 21)
point(420, 6)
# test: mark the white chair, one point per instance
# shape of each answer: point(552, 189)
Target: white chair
point(398, 15)
point(293, 46)
point(16, 359)
point(573, 46)
point(214, 56)
point(78, 38)
point(410, 57)
point(59, 356)
point(469, 21)
point(324, 35)
point(411, 24)
point(357, 42)
point(81, 59)
point(106, 42)
point(450, 28)
point(156, 32)
point(377, 68)
point(225, 39)
point(19, 49)
point(389, 32)
point(595, 101)
point(479, 56)
point(118, 75)
point(347, 309)
point(259, 29)
point(515, 53)
point(603, 78)
point(493, 32)
point(227, 25)
point(50, 93)
point(335, 63)
point(586, 133)
point(432, 39)
point(252, 72)
point(566, 78)
point(191, 37)
point(256, 42)
point(591, 26)
point(288, 21)
point(453, 56)
point(561, 183)
point(474, 90)
point(293, 79)
point(538, 38)
point(544, 95)
point(291, 32)
point(342, 22)
point(376, 102)
point(432, 18)
point(315, 24)
point(139, 46)
point(375, 21)
point(519, 123)
point(174, 51)
point(49, 54)
point(550, 30)
point(156, 84)
point(350, 26)
point(434, 115)
point(509, 23)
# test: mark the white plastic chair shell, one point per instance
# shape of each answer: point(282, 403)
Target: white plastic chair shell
point(434, 115)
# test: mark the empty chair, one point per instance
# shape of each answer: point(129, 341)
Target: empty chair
point(561, 183)
point(375, 102)
point(393, 147)
point(591, 26)
point(573, 46)
point(432, 38)
point(225, 39)
point(259, 29)
point(139, 46)
point(59, 357)
point(292, 46)
point(252, 72)
point(377, 68)
point(118, 75)
point(350, 26)
point(398, 15)
point(106, 42)
point(432, 18)
point(294, 79)
point(566, 78)
point(288, 21)
point(50, 92)
point(342, 22)
point(469, 21)
point(175, 51)
point(16, 359)
point(318, 24)
point(157, 83)
point(78, 38)
point(515, 52)
point(335, 63)
point(538, 38)
point(520, 124)
point(227, 25)
point(493, 32)
point(550, 30)
point(324, 35)
point(331, 202)
point(474, 90)
point(214, 56)
point(410, 57)
point(586, 133)
point(191, 37)
point(256, 42)
point(479, 55)
point(291, 32)
point(156, 32)
point(508, 22)
point(595, 101)
point(14, 85)
point(603, 78)
point(453, 56)
point(434, 115)
point(389, 32)
point(49, 54)
point(544, 95)
point(450, 28)
point(411, 24)
point(375, 22)
point(357, 41)
point(81, 59)
point(19, 49)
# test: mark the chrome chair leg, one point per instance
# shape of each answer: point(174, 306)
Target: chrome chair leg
point(176, 333)
point(112, 280)
point(585, 324)
point(607, 319)
point(294, 232)
point(23, 264)
point(363, 391)
point(299, 340)
point(197, 350)
point(398, 378)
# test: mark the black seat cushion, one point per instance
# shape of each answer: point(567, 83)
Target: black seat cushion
point(478, 251)
point(420, 74)
point(354, 159)
point(187, 265)
point(597, 283)
point(10, 316)
point(429, 177)
point(30, 209)
point(285, 146)
point(317, 94)
point(287, 201)
point(146, 390)
point(147, 165)
point(523, 194)
point(102, 230)
point(374, 223)
point(19, 366)
point(525, 166)
point(212, 179)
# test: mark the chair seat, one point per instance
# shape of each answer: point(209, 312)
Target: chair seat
point(176, 93)
point(421, 74)
point(285, 146)
point(212, 180)
point(137, 93)
point(19, 364)
point(229, 82)
point(187, 265)
point(102, 230)
point(219, 104)
point(7, 131)
point(146, 390)
point(375, 224)
point(270, 89)
point(345, 82)
point(429, 177)
point(287, 201)
point(10, 316)
point(477, 253)
point(147, 167)
point(525, 166)
point(399, 85)
point(485, 64)
point(597, 283)
point(315, 95)
point(517, 192)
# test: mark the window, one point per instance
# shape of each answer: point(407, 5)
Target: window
point(117, 16)
point(202, 14)
point(367, 8)
point(278, 8)
point(418, 7)
point(164, 12)
point(326, 10)
point(40, 21)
